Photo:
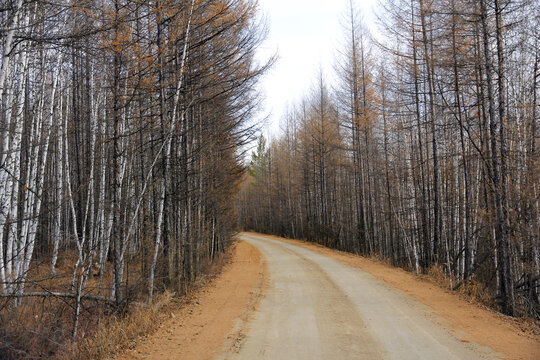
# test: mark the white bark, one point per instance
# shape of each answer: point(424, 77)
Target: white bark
point(70, 195)
point(111, 214)
point(59, 190)
point(89, 208)
point(174, 120)
point(104, 225)
point(37, 183)
point(6, 56)
point(13, 169)
point(6, 155)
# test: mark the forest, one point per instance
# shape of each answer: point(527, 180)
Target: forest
point(421, 150)
point(122, 124)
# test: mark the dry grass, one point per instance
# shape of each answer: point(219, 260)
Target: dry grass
point(41, 328)
point(34, 329)
point(115, 334)
point(472, 291)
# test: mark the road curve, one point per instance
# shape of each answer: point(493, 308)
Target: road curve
point(316, 307)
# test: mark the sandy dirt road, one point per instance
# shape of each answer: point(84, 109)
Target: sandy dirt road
point(316, 307)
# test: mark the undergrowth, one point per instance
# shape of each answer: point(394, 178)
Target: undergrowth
point(115, 334)
point(41, 328)
point(472, 290)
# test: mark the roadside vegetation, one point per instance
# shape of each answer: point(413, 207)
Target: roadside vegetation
point(422, 150)
point(121, 129)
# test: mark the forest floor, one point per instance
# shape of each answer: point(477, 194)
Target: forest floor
point(303, 301)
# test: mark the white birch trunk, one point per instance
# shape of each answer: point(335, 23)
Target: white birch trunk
point(7, 157)
point(108, 237)
point(70, 194)
point(13, 167)
point(103, 225)
point(168, 142)
point(6, 56)
point(59, 189)
point(89, 207)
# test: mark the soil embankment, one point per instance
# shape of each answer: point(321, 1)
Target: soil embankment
point(217, 315)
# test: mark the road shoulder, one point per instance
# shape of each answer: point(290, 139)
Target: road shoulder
point(216, 319)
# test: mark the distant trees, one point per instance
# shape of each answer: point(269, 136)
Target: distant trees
point(432, 160)
point(120, 128)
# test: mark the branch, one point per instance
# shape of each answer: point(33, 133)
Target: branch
point(60, 295)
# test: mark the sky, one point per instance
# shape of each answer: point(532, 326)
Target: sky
point(305, 35)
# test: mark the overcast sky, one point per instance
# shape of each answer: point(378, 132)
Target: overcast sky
point(305, 34)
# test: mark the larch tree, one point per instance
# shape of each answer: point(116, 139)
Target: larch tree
point(433, 162)
point(114, 117)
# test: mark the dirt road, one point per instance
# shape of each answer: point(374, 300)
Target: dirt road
point(316, 307)
point(304, 301)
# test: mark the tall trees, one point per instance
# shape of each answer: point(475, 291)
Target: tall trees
point(114, 118)
point(433, 158)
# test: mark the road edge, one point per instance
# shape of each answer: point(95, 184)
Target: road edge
point(200, 329)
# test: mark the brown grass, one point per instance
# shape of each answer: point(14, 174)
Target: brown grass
point(472, 291)
point(115, 334)
point(42, 327)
